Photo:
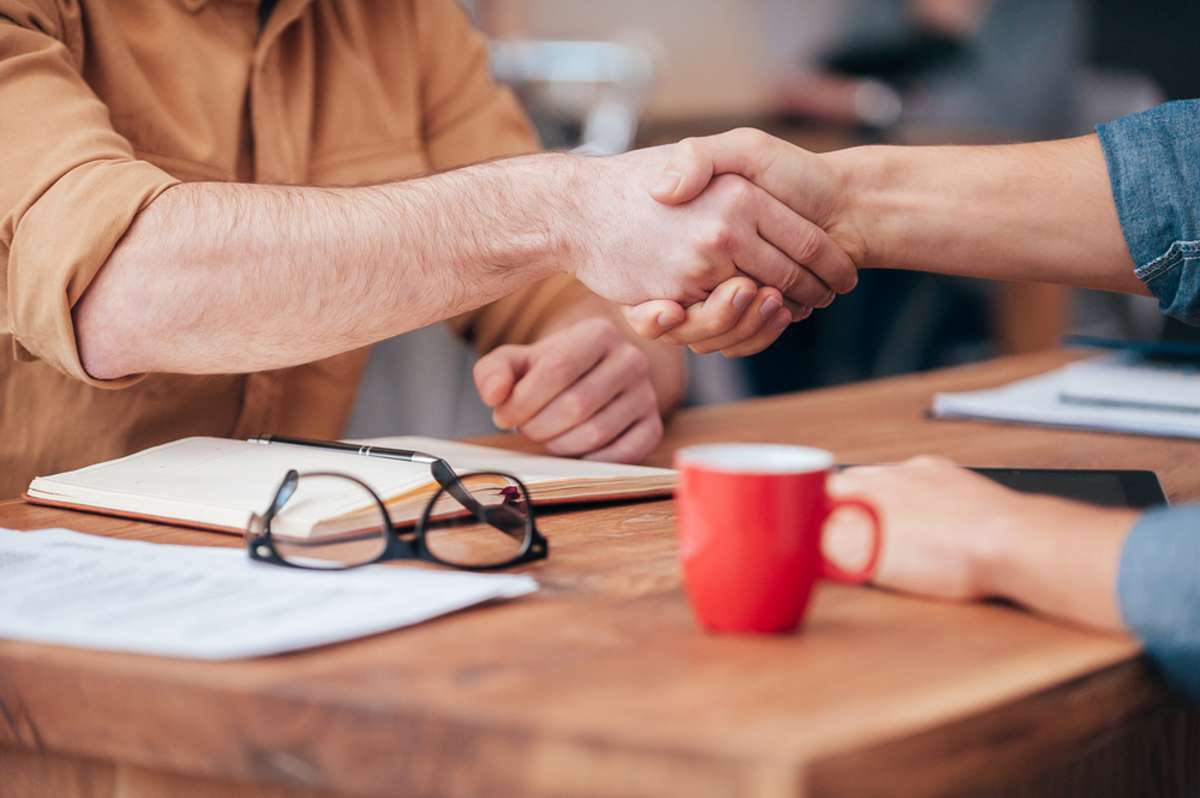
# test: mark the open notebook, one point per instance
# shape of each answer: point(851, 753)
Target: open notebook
point(216, 483)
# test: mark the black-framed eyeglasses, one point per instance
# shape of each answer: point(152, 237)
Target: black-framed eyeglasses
point(477, 521)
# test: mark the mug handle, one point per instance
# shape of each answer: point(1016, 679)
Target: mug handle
point(830, 570)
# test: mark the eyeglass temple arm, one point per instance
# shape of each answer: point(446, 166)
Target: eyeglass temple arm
point(501, 517)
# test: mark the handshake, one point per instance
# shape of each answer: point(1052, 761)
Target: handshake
point(717, 243)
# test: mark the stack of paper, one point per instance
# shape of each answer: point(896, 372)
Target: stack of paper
point(1116, 393)
point(58, 586)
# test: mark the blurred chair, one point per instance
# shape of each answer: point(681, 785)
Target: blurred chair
point(588, 91)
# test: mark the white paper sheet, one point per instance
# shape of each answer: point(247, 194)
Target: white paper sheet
point(1039, 400)
point(1126, 381)
point(64, 587)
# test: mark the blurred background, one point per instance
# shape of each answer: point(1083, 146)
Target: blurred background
point(608, 76)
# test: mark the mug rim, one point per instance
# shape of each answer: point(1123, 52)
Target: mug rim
point(754, 458)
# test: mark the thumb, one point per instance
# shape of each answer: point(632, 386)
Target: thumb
point(655, 318)
point(688, 170)
point(497, 372)
point(692, 163)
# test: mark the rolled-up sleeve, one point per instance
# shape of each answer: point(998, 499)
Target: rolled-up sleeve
point(467, 118)
point(70, 185)
point(1159, 590)
point(1154, 166)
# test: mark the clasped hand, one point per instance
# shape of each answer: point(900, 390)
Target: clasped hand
point(717, 243)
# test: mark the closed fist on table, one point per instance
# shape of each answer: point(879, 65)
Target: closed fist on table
point(582, 391)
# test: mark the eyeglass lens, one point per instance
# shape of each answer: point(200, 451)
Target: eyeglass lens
point(481, 520)
point(329, 522)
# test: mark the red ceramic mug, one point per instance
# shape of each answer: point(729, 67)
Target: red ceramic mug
point(750, 519)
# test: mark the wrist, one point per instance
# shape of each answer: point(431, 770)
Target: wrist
point(873, 210)
point(852, 171)
point(998, 549)
point(532, 200)
point(1023, 540)
point(567, 185)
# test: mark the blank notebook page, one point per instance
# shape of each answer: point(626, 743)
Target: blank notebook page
point(222, 481)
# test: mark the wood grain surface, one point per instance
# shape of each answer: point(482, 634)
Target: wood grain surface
point(602, 685)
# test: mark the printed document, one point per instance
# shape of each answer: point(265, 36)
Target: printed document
point(67, 588)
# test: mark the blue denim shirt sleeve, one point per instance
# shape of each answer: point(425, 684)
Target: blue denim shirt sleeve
point(1154, 166)
point(1159, 590)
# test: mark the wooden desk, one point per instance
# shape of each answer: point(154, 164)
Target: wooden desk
point(602, 685)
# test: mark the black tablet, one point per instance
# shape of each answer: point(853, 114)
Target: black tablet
point(1134, 489)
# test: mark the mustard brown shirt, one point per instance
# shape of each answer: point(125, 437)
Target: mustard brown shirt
point(105, 104)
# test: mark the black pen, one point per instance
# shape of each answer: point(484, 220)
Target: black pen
point(442, 471)
point(382, 452)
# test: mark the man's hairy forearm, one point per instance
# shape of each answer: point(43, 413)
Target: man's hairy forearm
point(217, 277)
point(1041, 212)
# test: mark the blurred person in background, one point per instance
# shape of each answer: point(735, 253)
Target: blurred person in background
point(929, 71)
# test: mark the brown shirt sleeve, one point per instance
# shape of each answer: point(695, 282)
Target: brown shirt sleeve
point(70, 186)
point(468, 118)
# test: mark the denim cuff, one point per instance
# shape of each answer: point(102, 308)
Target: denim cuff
point(1153, 163)
point(1159, 591)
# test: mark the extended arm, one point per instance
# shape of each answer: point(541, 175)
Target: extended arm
point(216, 277)
point(220, 278)
point(1041, 211)
point(1037, 212)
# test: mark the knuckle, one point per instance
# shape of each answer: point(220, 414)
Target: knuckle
point(499, 354)
point(807, 290)
point(701, 273)
point(726, 316)
point(639, 319)
point(689, 148)
point(594, 437)
point(633, 360)
point(809, 244)
point(748, 137)
point(573, 407)
point(736, 191)
point(557, 371)
point(793, 279)
point(930, 461)
point(845, 280)
point(597, 328)
point(719, 238)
